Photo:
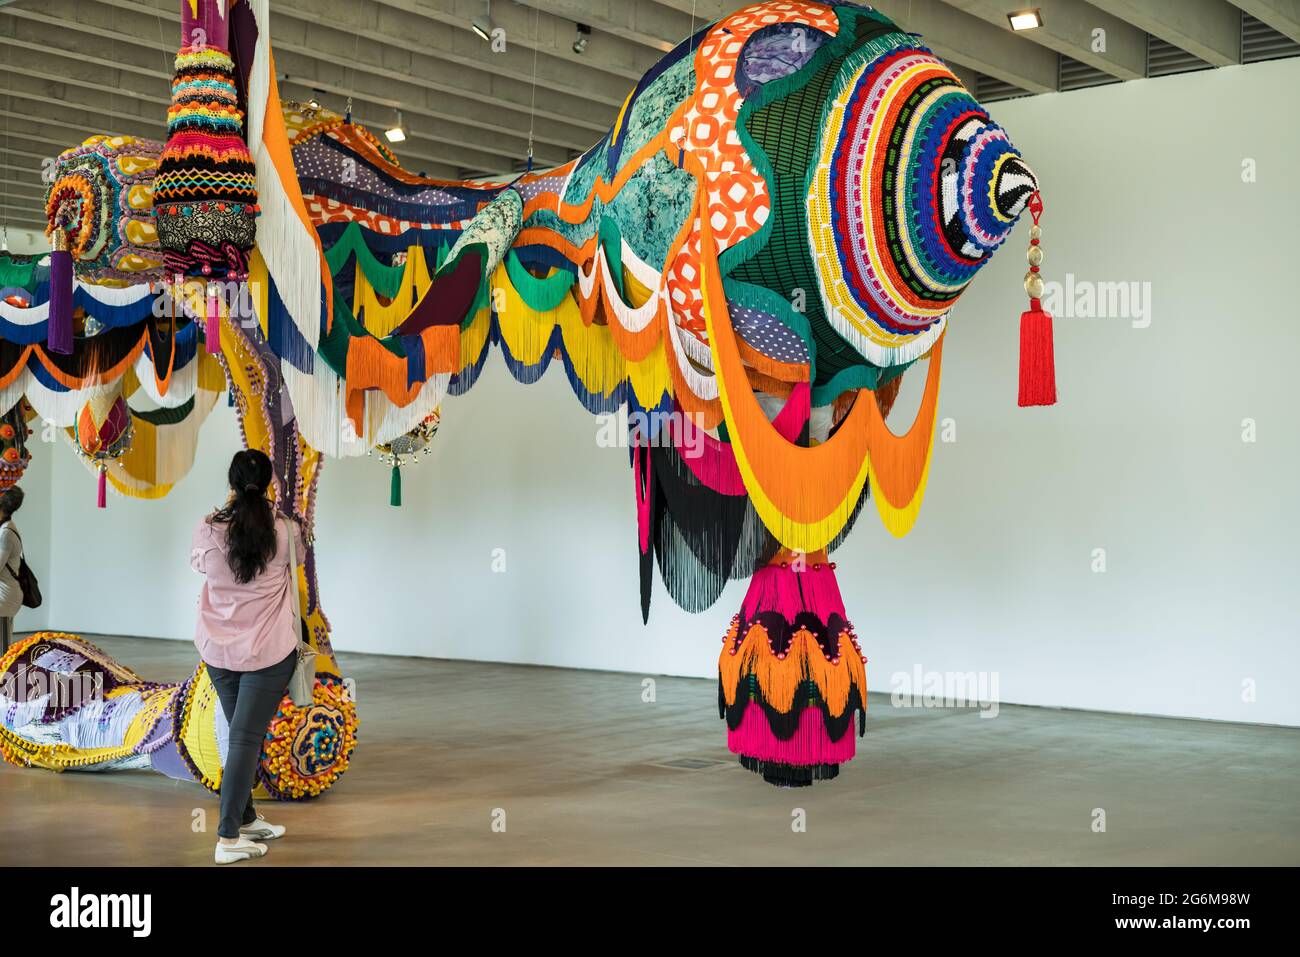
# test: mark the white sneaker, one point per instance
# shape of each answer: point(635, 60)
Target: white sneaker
point(262, 830)
point(242, 850)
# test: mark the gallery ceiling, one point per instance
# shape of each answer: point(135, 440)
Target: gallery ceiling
point(72, 68)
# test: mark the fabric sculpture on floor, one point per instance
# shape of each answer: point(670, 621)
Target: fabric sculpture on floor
point(773, 232)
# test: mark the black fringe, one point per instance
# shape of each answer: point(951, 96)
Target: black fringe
point(702, 538)
point(784, 724)
point(790, 775)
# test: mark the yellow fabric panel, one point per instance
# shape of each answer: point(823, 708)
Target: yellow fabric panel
point(199, 731)
point(381, 319)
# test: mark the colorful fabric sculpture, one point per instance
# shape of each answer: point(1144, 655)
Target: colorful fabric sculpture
point(774, 231)
point(67, 705)
point(407, 449)
point(205, 196)
point(99, 208)
point(14, 433)
point(103, 433)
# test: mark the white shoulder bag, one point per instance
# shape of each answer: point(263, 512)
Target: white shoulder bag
point(303, 679)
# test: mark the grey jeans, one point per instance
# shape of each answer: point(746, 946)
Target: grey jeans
point(250, 700)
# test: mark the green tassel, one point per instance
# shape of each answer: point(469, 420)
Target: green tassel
point(395, 488)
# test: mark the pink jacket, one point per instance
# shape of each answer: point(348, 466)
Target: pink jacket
point(244, 627)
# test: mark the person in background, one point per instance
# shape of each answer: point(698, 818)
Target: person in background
point(247, 633)
point(11, 553)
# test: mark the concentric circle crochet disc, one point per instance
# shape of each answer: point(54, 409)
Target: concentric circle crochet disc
point(915, 185)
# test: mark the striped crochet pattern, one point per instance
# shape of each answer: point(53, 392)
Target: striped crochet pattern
point(914, 187)
point(205, 195)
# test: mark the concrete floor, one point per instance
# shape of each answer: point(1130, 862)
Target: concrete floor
point(583, 770)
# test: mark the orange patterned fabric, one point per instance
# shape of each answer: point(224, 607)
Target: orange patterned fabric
point(737, 201)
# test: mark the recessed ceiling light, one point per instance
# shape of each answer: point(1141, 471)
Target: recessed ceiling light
point(1025, 19)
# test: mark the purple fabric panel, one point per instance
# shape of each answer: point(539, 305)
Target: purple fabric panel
point(448, 299)
point(318, 160)
point(769, 335)
point(243, 42)
point(167, 760)
point(210, 28)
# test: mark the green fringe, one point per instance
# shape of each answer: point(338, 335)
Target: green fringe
point(17, 273)
point(395, 488)
point(543, 295)
point(385, 280)
point(166, 416)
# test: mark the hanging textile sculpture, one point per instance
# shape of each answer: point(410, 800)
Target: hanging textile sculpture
point(205, 195)
point(141, 343)
point(772, 233)
point(99, 208)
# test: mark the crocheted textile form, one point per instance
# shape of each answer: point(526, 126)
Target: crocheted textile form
point(101, 193)
point(205, 195)
point(774, 230)
point(71, 706)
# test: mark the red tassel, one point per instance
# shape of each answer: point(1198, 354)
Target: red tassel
point(212, 329)
point(58, 329)
point(1037, 360)
point(102, 500)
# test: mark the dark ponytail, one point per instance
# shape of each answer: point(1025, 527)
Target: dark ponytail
point(248, 517)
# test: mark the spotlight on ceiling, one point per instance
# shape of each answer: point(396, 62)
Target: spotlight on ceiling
point(396, 134)
point(1025, 19)
point(483, 25)
point(584, 35)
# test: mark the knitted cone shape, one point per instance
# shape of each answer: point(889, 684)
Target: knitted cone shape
point(791, 674)
point(205, 194)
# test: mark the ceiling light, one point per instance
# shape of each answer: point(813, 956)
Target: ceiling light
point(396, 134)
point(584, 34)
point(483, 25)
point(1025, 19)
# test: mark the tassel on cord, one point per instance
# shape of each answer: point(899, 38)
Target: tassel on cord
point(1037, 358)
point(102, 497)
point(58, 330)
point(212, 327)
point(395, 487)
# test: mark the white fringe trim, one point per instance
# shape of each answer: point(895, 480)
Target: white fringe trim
point(287, 245)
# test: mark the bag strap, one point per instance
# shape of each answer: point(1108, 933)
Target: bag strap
point(292, 528)
point(13, 531)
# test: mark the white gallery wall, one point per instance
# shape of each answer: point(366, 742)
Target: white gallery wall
point(1126, 550)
